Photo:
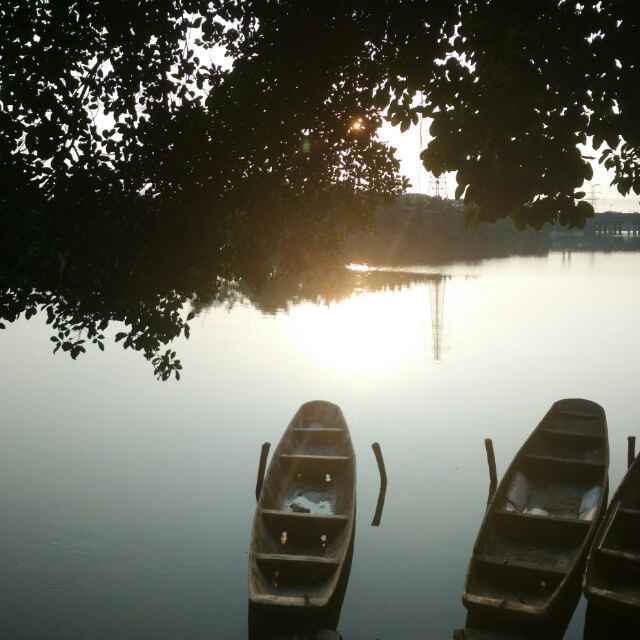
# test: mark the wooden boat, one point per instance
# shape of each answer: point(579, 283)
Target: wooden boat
point(305, 518)
point(530, 551)
point(612, 578)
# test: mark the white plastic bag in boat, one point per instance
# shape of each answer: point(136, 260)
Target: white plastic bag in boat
point(589, 504)
point(518, 493)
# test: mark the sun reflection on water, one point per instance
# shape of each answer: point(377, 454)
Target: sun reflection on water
point(366, 334)
point(355, 266)
point(377, 333)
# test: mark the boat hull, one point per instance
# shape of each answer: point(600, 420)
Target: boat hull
point(304, 523)
point(531, 550)
point(612, 578)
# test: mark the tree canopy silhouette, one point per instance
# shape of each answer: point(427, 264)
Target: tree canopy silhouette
point(140, 171)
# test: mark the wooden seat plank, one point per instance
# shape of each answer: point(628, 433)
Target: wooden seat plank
point(568, 461)
point(518, 564)
point(572, 434)
point(619, 554)
point(577, 414)
point(501, 603)
point(311, 517)
point(614, 596)
point(308, 457)
point(284, 558)
point(575, 522)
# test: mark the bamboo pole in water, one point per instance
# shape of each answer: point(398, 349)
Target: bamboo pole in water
point(383, 484)
point(264, 453)
point(493, 475)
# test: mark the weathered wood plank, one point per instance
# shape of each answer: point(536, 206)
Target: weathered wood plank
point(284, 558)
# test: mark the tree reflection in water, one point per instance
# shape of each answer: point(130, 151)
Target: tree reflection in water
point(81, 305)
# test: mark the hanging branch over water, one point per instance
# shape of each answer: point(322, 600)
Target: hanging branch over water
point(142, 169)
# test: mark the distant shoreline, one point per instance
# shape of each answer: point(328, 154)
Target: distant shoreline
point(417, 228)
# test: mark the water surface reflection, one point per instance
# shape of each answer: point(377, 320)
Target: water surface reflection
point(129, 502)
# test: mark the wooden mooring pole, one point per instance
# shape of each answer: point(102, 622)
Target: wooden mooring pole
point(631, 450)
point(264, 454)
point(377, 517)
point(493, 475)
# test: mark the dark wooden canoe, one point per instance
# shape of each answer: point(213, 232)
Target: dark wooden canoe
point(612, 578)
point(530, 552)
point(305, 518)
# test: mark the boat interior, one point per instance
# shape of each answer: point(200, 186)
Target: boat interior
point(543, 510)
point(305, 513)
point(615, 562)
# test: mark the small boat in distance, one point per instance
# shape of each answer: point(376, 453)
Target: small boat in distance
point(612, 578)
point(530, 551)
point(305, 518)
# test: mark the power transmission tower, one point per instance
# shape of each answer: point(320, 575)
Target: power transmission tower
point(444, 187)
point(436, 289)
point(439, 187)
point(434, 186)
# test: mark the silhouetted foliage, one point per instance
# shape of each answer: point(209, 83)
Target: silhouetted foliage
point(139, 173)
point(512, 89)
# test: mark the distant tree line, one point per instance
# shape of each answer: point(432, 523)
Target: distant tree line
point(416, 229)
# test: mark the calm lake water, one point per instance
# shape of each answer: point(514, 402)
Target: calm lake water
point(127, 503)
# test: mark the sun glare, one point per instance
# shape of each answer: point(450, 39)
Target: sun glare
point(366, 335)
point(374, 334)
point(354, 266)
